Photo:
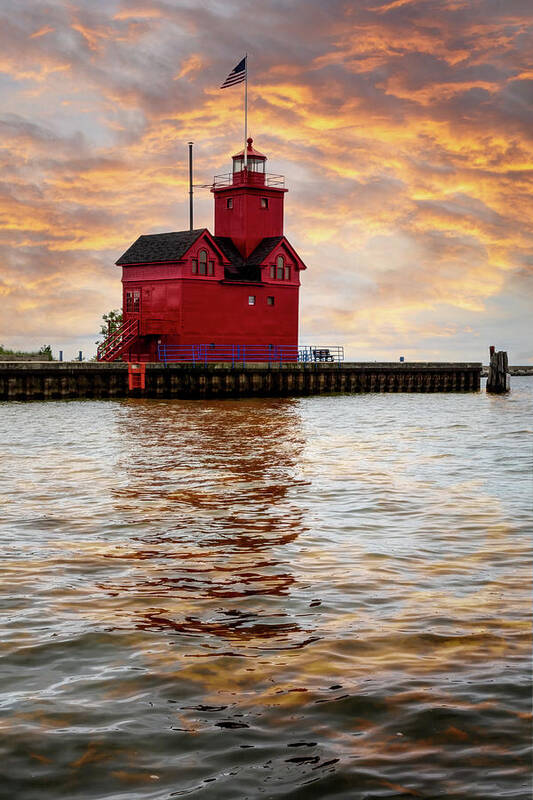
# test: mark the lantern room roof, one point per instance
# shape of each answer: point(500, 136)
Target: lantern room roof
point(250, 150)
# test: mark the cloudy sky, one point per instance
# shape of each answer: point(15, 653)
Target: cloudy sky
point(403, 129)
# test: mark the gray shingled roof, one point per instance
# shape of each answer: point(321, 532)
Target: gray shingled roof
point(263, 249)
point(156, 247)
point(230, 251)
point(160, 247)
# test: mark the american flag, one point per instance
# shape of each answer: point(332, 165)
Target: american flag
point(237, 75)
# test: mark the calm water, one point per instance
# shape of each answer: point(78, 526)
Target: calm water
point(285, 598)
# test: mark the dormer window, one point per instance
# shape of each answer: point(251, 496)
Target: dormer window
point(201, 266)
point(202, 262)
point(280, 271)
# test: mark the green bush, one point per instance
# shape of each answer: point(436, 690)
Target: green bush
point(43, 354)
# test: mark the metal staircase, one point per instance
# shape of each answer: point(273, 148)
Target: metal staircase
point(118, 341)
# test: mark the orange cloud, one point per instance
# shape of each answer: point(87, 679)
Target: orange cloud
point(405, 139)
point(190, 65)
point(42, 32)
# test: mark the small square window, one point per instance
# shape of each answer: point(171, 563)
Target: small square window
point(264, 202)
point(229, 202)
point(270, 301)
point(251, 300)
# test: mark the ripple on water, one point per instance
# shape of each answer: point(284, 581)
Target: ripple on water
point(313, 598)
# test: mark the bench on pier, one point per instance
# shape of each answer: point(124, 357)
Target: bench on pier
point(322, 355)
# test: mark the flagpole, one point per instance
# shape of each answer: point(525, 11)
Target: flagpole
point(246, 111)
point(190, 188)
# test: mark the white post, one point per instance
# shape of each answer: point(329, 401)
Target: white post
point(246, 111)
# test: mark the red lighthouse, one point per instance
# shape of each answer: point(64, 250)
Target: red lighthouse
point(237, 288)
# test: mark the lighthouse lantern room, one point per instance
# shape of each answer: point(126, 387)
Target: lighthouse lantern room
point(188, 290)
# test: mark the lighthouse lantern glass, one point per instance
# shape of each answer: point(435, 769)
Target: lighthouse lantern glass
point(254, 164)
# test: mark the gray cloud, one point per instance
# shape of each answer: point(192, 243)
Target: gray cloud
point(405, 133)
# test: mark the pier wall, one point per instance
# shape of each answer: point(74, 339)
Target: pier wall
point(68, 380)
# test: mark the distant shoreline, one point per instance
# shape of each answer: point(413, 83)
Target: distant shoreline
point(517, 371)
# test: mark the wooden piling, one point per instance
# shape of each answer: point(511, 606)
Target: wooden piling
point(499, 379)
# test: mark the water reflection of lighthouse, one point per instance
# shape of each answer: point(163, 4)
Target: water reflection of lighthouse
point(211, 491)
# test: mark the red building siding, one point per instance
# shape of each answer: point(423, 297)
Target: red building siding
point(248, 221)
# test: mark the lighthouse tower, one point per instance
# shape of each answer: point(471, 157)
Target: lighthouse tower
point(250, 208)
point(190, 292)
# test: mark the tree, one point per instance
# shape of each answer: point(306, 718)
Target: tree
point(111, 323)
point(46, 352)
point(112, 320)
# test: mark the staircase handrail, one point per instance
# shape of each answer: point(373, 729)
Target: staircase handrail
point(117, 338)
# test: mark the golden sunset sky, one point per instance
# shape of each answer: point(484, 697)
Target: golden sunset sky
point(403, 129)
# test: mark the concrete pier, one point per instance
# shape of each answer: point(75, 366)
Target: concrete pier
point(69, 380)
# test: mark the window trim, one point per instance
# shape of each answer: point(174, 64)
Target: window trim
point(281, 270)
point(133, 307)
point(202, 262)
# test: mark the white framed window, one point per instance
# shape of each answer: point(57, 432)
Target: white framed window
point(251, 300)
